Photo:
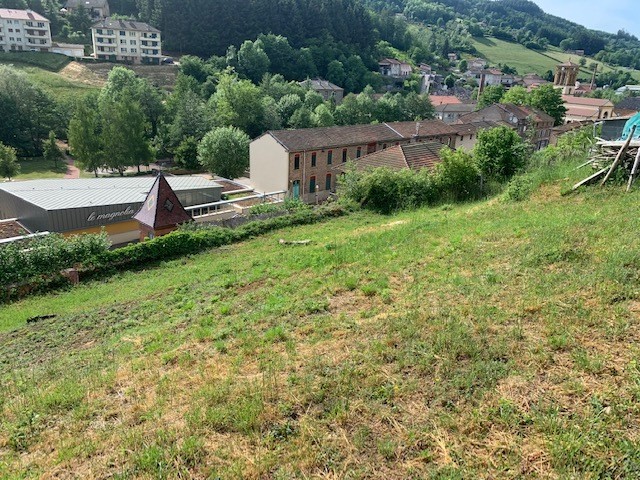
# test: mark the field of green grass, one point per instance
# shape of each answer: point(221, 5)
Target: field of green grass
point(483, 340)
point(35, 168)
point(525, 60)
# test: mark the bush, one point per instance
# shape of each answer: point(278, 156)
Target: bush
point(518, 189)
point(457, 177)
point(46, 256)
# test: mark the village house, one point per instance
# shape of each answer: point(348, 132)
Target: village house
point(582, 108)
point(24, 30)
point(532, 80)
point(126, 41)
point(301, 162)
point(451, 112)
point(95, 8)
point(390, 67)
point(627, 107)
point(467, 133)
point(326, 89)
point(489, 77)
point(521, 118)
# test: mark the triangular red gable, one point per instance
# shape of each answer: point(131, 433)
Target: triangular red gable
point(162, 208)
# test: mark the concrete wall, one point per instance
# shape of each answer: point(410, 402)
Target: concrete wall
point(268, 165)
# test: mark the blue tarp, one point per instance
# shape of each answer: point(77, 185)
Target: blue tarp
point(635, 120)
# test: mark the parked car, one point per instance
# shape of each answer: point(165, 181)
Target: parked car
point(167, 60)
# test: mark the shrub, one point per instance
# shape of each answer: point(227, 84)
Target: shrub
point(518, 189)
point(500, 153)
point(46, 256)
point(457, 177)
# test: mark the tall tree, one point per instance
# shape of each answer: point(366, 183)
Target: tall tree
point(491, 94)
point(51, 151)
point(225, 152)
point(500, 152)
point(9, 166)
point(85, 140)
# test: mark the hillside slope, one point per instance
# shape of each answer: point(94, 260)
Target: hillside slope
point(487, 340)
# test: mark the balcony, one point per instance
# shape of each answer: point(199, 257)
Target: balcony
point(36, 34)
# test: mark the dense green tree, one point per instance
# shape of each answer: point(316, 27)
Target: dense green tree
point(253, 62)
point(517, 95)
point(549, 100)
point(323, 117)
point(336, 73)
point(225, 152)
point(9, 166)
point(85, 141)
point(51, 151)
point(238, 103)
point(301, 118)
point(500, 153)
point(186, 155)
point(491, 94)
point(27, 113)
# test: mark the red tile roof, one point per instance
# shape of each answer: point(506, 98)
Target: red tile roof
point(444, 100)
point(414, 156)
point(8, 13)
point(591, 102)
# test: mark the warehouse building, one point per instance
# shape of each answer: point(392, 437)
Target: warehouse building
point(87, 205)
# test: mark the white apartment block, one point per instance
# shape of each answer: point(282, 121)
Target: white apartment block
point(24, 30)
point(126, 41)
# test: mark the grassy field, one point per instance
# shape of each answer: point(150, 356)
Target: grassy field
point(525, 60)
point(485, 340)
point(53, 62)
point(35, 168)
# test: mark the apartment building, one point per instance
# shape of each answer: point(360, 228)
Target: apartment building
point(24, 30)
point(126, 41)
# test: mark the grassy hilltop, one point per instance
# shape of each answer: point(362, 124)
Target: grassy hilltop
point(485, 340)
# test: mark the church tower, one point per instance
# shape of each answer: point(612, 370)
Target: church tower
point(566, 77)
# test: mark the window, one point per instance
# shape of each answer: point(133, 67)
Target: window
point(358, 152)
point(109, 32)
point(132, 34)
point(344, 155)
point(123, 42)
point(329, 157)
point(314, 158)
point(384, 146)
point(123, 50)
point(312, 184)
point(99, 31)
point(327, 182)
point(134, 50)
point(296, 162)
point(122, 33)
point(132, 42)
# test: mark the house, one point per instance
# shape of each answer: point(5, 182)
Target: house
point(557, 132)
point(390, 67)
point(492, 76)
point(521, 118)
point(533, 80)
point(24, 30)
point(476, 64)
point(126, 41)
point(467, 133)
point(627, 107)
point(444, 100)
point(451, 112)
point(69, 49)
point(581, 108)
point(301, 162)
point(95, 8)
point(326, 89)
point(413, 156)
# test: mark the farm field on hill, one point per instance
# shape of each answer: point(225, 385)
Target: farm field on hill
point(484, 340)
point(525, 60)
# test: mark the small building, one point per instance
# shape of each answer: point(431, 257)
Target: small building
point(161, 212)
point(489, 77)
point(24, 30)
point(301, 162)
point(582, 108)
point(628, 88)
point(413, 156)
point(390, 67)
point(74, 206)
point(96, 9)
point(533, 80)
point(451, 112)
point(326, 89)
point(476, 64)
point(69, 49)
point(126, 41)
point(444, 100)
point(521, 118)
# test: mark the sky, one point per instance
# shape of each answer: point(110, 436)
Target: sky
point(607, 15)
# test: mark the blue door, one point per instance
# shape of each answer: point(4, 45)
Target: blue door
point(296, 189)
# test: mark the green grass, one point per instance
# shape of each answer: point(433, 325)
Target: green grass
point(53, 62)
point(485, 340)
point(525, 60)
point(36, 168)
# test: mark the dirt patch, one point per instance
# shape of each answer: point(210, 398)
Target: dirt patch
point(79, 73)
